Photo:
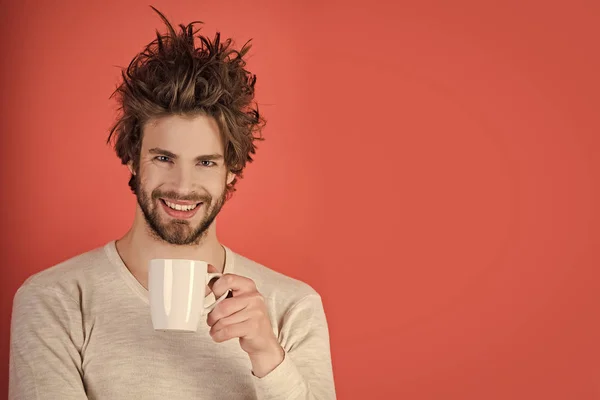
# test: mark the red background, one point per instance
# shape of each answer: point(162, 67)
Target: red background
point(431, 168)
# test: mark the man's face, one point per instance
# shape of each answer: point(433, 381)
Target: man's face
point(182, 177)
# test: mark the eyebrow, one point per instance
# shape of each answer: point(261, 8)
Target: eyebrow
point(204, 157)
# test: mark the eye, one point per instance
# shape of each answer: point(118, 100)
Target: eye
point(207, 163)
point(162, 158)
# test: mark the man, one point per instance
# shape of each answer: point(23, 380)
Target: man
point(82, 329)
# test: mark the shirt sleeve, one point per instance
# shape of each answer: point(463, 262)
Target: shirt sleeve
point(306, 371)
point(45, 342)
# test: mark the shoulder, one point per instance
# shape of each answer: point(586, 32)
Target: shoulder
point(67, 277)
point(272, 284)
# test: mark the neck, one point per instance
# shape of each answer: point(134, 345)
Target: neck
point(138, 246)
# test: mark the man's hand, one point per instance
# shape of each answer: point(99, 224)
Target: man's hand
point(245, 316)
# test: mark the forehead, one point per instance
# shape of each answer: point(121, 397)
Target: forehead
point(183, 135)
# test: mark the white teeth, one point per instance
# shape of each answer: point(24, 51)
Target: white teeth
point(179, 207)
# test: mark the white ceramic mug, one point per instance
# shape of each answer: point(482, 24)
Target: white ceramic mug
point(177, 289)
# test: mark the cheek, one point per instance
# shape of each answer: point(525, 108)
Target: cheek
point(214, 181)
point(149, 181)
point(151, 177)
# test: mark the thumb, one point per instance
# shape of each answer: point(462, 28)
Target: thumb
point(211, 268)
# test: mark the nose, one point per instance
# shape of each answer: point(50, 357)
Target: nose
point(183, 179)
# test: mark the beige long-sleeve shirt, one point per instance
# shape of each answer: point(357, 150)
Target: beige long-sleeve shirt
point(82, 330)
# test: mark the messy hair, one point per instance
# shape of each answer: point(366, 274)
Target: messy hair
point(174, 76)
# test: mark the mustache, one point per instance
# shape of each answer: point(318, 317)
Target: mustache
point(193, 197)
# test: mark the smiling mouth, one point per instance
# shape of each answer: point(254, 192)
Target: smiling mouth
point(180, 207)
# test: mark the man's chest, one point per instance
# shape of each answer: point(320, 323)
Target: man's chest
point(124, 358)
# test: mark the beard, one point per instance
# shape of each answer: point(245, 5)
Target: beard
point(178, 231)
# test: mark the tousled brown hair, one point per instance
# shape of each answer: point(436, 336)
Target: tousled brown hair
point(174, 76)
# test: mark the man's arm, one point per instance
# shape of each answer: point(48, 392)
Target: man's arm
point(45, 343)
point(306, 371)
point(297, 364)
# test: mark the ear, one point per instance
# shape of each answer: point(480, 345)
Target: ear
point(230, 177)
point(130, 166)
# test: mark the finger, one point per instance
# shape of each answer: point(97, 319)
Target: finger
point(235, 318)
point(232, 331)
point(226, 308)
point(236, 283)
point(210, 269)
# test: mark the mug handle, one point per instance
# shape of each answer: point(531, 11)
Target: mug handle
point(209, 277)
